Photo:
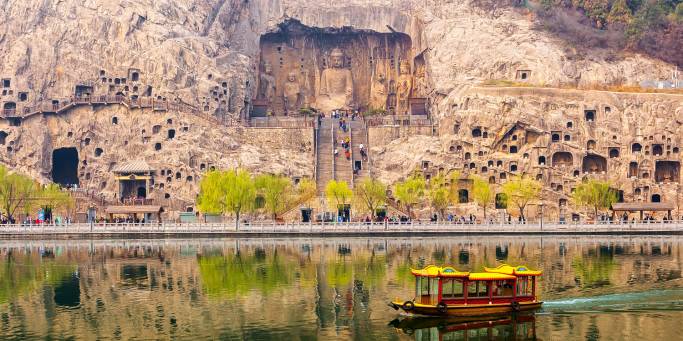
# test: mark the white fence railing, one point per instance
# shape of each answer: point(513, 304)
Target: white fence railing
point(341, 228)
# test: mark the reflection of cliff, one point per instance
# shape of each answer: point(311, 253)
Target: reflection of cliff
point(292, 289)
point(22, 274)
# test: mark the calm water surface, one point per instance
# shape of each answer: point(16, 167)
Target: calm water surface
point(595, 288)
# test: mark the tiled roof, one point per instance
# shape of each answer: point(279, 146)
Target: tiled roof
point(137, 166)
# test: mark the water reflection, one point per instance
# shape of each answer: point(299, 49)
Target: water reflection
point(510, 327)
point(326, 288)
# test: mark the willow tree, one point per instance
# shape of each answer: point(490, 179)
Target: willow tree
point(231, 191)
point(372, 194)
point(520, 191)
point(482, 193)
point(440, 194)
point(339, 193)
point(17, 191)
point(594, 194)
point(276, 191)
point(410, 192)
point(306, 191)
point(52, 198)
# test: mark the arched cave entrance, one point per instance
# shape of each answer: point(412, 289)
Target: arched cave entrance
point(563, 159)
point(656, 198)
point(463, 196)
point(594, 164)
point(65, 166)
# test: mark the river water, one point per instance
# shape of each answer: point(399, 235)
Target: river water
point(595, 288)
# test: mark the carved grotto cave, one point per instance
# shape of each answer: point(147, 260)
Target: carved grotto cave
point(337, 68)
point(65, 166)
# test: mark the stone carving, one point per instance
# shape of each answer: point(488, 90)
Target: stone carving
point(403, 88)
point(420, 88)
point(378, 98)
point(336, 85)
point(267, 83)
point(292, 93)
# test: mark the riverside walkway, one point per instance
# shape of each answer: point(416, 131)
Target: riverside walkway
point(339, 229)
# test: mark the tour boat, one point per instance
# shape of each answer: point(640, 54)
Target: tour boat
point(444, 291)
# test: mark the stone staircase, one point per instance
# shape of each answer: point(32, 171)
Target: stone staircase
point(325, 154)
point(343, 168)
point(359, 136)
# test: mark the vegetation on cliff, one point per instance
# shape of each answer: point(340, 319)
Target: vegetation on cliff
point(653, 27)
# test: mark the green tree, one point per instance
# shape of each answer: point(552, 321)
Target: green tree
point(52, 198)
point(306, 191)
point(339, 193)
point(231, 191)
point(276, 192)
point(482, 193)
point(520, 191)
point(440, 194)
point(678, 13)
point(620, 13)
point(372, 194)
point(594, 194)
point(410, 192)
point(16, 191)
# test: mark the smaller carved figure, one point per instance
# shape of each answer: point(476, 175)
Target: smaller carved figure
point(378, 99)
point(292, 93)
point(403, 88)
point(420, 88)
point(267, 83)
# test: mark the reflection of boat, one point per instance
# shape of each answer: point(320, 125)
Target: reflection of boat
point(507, 327)
point(446, 291)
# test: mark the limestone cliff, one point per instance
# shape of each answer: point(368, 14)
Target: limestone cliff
point(201, 59)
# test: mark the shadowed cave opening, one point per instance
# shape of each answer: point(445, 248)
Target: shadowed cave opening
point(65, 166)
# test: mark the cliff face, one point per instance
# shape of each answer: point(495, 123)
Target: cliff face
point(205, 55)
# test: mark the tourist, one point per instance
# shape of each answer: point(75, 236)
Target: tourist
point(336, 152)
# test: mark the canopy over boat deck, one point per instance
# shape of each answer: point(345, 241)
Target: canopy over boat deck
point(644, 207)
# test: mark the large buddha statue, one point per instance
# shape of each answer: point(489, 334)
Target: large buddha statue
point(403, 87)
point(336, 85)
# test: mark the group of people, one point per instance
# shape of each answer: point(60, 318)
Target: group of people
point(345, 143)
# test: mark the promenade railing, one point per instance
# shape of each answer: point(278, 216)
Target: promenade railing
point(229, 227)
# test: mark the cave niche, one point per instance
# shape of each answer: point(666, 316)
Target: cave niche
point(667, 171)
point(294, 55)
point(594, 164)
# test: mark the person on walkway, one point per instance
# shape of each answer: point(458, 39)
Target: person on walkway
point(336, 152)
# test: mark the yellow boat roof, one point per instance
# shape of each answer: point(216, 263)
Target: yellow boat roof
point(437, 271)
point(513, 270)
point(489, 276)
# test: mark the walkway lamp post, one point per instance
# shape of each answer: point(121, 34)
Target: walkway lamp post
point(542, 204)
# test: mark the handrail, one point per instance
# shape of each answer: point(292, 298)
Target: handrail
point(353, 167)
point(367, 148)
point(258, 228)
point(334, 157)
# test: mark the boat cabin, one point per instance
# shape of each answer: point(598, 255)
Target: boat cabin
point(504, 284)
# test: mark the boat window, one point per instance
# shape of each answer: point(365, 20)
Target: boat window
point(523, 286)
point(452, 288)
point(502, 288)
point(477, 289)
point(424, 288)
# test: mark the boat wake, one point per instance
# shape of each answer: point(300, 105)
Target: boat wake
point(656, 300)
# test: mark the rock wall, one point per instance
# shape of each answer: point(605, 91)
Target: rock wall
point(205, 54)
point(179, 146)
